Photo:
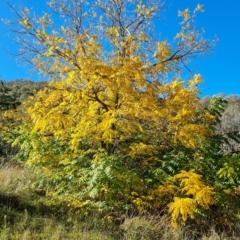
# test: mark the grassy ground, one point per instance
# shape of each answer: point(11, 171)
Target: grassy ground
point(22, 218)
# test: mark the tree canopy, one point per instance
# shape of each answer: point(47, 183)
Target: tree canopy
point(118, 129)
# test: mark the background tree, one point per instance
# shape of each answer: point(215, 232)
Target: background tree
point(228, 125)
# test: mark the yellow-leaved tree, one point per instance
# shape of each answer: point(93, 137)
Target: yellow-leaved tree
point(98, 134)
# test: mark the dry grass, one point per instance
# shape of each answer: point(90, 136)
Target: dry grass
point(159, 228)
point(14, 179)
point(29, 228)
point(150, 228)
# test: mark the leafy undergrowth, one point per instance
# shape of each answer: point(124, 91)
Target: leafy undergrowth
point(24, 215)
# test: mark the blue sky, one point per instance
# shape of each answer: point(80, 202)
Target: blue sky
point(221, 19)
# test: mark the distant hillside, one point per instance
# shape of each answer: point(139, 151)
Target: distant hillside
point(14, 92)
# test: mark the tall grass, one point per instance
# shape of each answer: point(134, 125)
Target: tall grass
point(21, 218)
point(29, 227)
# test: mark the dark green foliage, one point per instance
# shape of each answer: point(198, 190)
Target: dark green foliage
point(14, 92)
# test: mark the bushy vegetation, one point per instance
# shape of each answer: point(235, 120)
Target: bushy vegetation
point(117, 135)
point(12, 93)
